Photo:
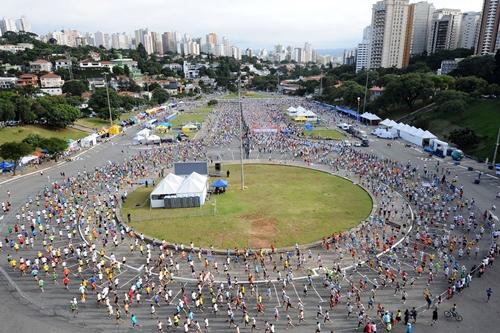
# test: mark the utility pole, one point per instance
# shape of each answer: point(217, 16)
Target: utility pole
point(496, 149)
point(366, 88)
point(109, 104)
point(241, 132)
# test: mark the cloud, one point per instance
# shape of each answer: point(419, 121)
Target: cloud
point(325, 23)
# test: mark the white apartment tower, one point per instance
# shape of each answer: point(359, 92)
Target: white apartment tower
point(363, 53)
point(389, 31)
point(420, 25)
point(8, 24)
point(469, 30)
point(444, 33)
point(22, 24)
point(488, 31)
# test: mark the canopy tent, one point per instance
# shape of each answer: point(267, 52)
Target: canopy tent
point(189, 128)
point(174, 186)
point(153, 139)
point(27, 159)
point(90, 140)
point(166, 124)
point(6, 165)
point(144, 132)
point(220, 183)
point(114, 130)
point(348, 112)
point(370, 118)
point(308, 127)
point(138, 139)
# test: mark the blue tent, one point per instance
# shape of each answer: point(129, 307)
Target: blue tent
point(6, 165)
point(308, 127)
point(220, 183)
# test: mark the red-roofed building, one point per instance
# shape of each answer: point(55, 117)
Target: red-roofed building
point(27, 80)
point(40, 65)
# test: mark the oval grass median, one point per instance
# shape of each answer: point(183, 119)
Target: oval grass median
point(281, 206)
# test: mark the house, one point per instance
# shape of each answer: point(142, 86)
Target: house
point(90, 63)
point(51, 80)
point(376, 92)
point(8, 82)
point(16, 47)
point(40, 65)
point(96, 83)
point(172, 88)
point(63, 64)
point(27, 80)
point(51, 84)
point(107, 64)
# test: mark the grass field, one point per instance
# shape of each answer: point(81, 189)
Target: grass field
point(281, 206)
point(324, 133)
point(248, 94)
point(19, 133)
point(92, 122)
point(194, 116)
point(482, 116)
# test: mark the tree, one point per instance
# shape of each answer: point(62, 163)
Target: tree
point(99, 103)
point(54, 146)
point(74, 87)
point(482, 67)
point(61, 115)
point(450, 95)
point(126, 70)
point(34, 140)
point(464, 137)
point(452, 106)
point(160, 95)
point(471, 84)
point(212, 102)
point(14, 151)
point(24, 111)
point(117, 71)
point(409, 88)
point(7, 110)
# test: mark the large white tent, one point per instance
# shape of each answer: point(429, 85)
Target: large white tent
point(173, 186)
point(416, 136)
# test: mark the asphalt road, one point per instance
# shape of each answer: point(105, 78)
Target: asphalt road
point(49, 313)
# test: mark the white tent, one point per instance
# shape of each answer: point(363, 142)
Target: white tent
point(89, 141)
point(139, 139)
point(385, 133)
point(144, 132)
point(173, 186)
point(370, 117)
point(27, 159)
point(153, 139)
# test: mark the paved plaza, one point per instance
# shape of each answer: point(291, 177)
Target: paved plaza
point(69, 263)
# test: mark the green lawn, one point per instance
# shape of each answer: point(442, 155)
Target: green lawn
point(19, 133)
point(92, 122)
point(482, 116)
point(194, 116)
point(248, 94)
point(324, 133)
point(281, 206)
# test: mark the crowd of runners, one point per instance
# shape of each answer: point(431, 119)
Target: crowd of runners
point(424, 243)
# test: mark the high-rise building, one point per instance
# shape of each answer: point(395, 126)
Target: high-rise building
point(139, 36)
point(488, 32)
point(349, 57)
point(389, 33)
point(22, 24)
point(100, 39)
point(212, 38)
point(8, 24)
point(363, 52)
point(148, 43)
point(308, 50)
point(157, 43)
point(469, 30)
point(444, 32)
point(168, 42)
point(421, 16)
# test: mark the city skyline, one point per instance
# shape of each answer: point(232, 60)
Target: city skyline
point(327, 25)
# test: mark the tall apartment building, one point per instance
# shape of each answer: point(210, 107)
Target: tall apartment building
point(157, 43)
point(444, 33)
point(469, 30)
point(22, 24)
point(363, 52)
point(8, 24)
point(488, 31)
point(421, 16)
point(102, 39)
point(349, 57)
point(389, 33)
point(168, 42)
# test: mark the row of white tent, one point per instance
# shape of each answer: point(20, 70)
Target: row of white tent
point(301, 112)
point(145, 136)
point(390, 129)
point(174, 186)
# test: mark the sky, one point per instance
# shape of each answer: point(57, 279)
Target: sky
point(327, 24)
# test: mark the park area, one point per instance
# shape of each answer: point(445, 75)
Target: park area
point(324, 134)
point(248, 94)
point(281, 206)
point(18, 133)
point(197, 115)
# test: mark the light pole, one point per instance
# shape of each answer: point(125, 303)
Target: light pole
point(359, 101)
point(496, 149)
point(109, 104)
point(366, 89)
point(241, 132)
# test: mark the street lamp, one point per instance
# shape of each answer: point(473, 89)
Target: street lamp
point(359, 101)
point(107, 95)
